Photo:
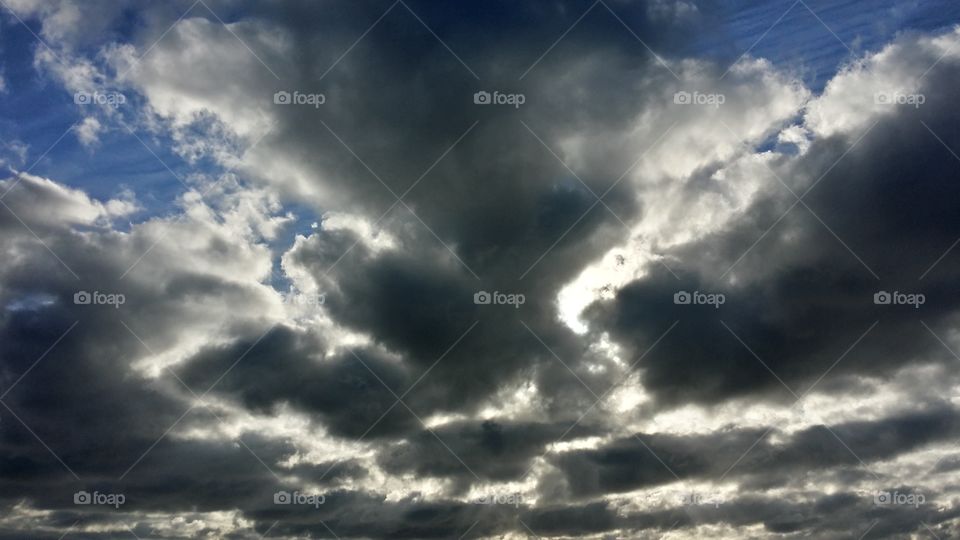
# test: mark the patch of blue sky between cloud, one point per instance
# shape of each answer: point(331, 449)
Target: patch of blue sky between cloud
point(36, 110)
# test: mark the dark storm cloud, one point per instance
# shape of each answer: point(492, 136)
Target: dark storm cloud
point(101, 423)
point(76, 416)
point(490, 449)
point(75, 399)
point(499, 197)
point(505, 206)
point(653, 459)
point(572, 520)
point(799, 298)
point(329, 472)
point(415, 307)
point(349, 392)
point(417, 304)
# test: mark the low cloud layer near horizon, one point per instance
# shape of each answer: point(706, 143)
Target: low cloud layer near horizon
point(602, 269)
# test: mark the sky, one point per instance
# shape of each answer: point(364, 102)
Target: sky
point(414, 269)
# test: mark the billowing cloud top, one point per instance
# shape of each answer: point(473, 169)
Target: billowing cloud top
point(486, 270)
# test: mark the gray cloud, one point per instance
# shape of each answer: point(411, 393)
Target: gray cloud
point(206, 392)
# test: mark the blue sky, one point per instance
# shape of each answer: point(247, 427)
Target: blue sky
point(37, 111)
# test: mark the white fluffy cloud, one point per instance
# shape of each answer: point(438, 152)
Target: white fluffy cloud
point(869, 87)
